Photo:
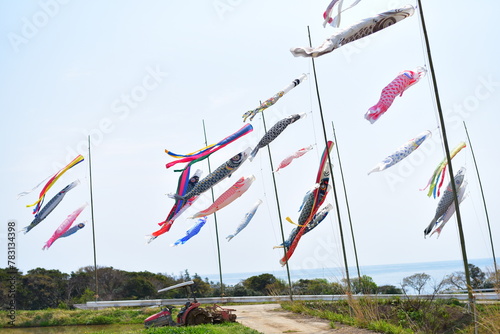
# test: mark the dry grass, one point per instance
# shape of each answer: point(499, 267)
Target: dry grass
point(488, 320)
point(394, 315)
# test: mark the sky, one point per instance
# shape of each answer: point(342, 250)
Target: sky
point(139, 77)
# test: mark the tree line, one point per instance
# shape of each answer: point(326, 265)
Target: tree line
point(49, 288)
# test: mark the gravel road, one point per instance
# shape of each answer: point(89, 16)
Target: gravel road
point(272, 319)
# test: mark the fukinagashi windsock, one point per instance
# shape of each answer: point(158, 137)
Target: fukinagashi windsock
point(205, 152)
point(64, 227)
point(313, 202)
point(436, 181)
point(446, 200)
point(246, 220)
point(356, 31)
point(185, 184)
point(228, 196)
point(50, 206)
point(167, 223)
point(50, 183)
point(402, 82)
point(402, 152)
point(275, 131)
point(288, 160)
point(272, 100)
point(223, 171)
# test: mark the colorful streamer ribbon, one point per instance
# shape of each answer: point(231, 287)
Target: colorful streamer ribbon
point(208, 150)
point(437, 178)
point(51, 182)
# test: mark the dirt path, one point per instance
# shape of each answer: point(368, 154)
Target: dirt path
point(272, 319)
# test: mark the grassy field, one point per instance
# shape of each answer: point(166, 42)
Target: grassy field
point(225, 328)
point(392, 316)
point(59, 317)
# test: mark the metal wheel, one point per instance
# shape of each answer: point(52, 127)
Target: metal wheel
point(198, 316)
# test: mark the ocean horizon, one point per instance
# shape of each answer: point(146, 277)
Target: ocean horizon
point(383, 274)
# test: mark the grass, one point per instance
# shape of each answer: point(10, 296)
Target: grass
point(122, 315)
point(391, 316)
point(341, 314)
point(224, 328)
point(59, 317)
point(396, 316)
point(488, 320)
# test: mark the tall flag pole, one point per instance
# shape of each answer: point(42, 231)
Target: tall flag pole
point(279, 213)
point(484, 204)
point(448, 157)
point(331, 171)
point(215, 220)
point(93, 228)
point(347, 204)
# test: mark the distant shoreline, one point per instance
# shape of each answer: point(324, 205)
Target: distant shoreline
point(382, 274)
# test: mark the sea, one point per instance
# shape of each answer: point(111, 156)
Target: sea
point(384, 274)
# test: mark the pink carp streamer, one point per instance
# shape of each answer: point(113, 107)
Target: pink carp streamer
point(401, 83)
point(51, 182)
point(227, 197)
point(288, 160)
point(64, 227)
point(436, 181)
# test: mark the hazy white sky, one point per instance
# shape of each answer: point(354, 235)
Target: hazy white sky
point(142, 76)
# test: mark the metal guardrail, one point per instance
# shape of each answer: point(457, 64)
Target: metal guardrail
point(267, 299)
